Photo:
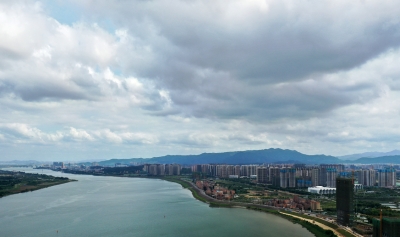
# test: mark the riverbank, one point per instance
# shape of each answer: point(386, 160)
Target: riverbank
point(318, 227)
point(20, 182)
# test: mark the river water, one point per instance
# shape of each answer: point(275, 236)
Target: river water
point(111, 206)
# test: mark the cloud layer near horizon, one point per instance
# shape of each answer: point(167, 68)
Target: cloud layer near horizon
point(100, 79)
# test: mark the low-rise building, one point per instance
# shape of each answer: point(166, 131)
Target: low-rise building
point(322, 190)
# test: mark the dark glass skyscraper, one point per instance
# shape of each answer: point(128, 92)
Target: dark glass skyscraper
point(344, 201)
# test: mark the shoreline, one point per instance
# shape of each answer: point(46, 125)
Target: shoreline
point(314, 225)
point(31, 188)
point(29, 185)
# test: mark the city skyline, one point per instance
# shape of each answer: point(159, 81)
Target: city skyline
point(82, 80)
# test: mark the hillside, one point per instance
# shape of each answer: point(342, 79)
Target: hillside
point(237, 157)
point(369, 155)
point(377, 160)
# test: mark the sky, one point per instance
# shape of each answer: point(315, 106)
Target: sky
point(84, 79)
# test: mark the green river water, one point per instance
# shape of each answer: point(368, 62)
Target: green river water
point(112, 206)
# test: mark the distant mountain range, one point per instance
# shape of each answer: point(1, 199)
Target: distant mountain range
point(252, 157)
point(271, 156)
point(377, 160)
point(369, 155)
point(236, 157)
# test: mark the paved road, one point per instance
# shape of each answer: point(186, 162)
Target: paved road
point(315, 223)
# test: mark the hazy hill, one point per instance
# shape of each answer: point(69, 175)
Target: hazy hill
point(369, 155)
point(377, 160)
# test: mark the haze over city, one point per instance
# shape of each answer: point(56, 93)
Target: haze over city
point(88, 79)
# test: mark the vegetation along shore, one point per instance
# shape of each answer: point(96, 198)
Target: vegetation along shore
point(13, 182)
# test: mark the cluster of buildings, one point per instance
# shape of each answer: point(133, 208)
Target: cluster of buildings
point(277, 175)
point(295, 203)
point(215, 191)
point(345, 210)
point(299, 175)
point(386, 177)
point(224, 171)
point(162, 169)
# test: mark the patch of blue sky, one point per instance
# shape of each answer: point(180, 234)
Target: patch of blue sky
point(69, 13)
point(117, 71)
point(63, 11)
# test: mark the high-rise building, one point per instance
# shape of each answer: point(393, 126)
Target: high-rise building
point(152, 169)
point(387, 177)
point(252, 169)
point(205, 169)
point(287, 178)
point(322, 176)
point(219, 169)
point(160, 169)
point(244, 171)
point(291, 177)
point(169, 170)
point(315, 177)
point(237, 170)
point(224, 173)
point(262, 175)
point(303, 182)
point(344, 201)
point(367, 177)
point(274, 176)
point(331, 174)
point(390, 227)
point(283, 177)
point(176, 169)
point(230, 170)
point(213, 170)
point(338, 167)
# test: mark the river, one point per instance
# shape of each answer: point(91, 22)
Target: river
point(113, 206)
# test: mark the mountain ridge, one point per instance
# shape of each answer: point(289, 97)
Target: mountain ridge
point(373, 154)
point(271, 155)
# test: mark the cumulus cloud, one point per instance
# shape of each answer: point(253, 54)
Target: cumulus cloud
point(267, 55)
point(23, 133)
point(194, 76)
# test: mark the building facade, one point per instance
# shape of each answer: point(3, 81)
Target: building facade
point(331, 174)
point(390, 227)
point(262, 175)
point(344, 201)
point(387, 177)
point(367, 177)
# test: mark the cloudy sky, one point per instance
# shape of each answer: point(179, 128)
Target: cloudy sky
point(85, 79)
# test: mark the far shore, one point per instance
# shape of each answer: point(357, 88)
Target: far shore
point(32, 183)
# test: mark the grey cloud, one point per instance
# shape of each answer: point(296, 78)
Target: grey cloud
point(294, 100)
point(270, 48)
point(198, 76)
point(220, 67)
point(40, 90)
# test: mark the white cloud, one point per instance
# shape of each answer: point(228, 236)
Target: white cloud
point(201, 76)
point(80, 134)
